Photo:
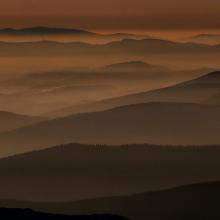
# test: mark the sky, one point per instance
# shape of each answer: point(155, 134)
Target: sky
point(111, 14)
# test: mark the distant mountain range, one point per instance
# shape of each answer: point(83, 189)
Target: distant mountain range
point(75, 172)
point(128, 140)
point(43, 30)
point(123, 71)
point(39, 93)
point(62, 35)
point(171, 110)
point(193, 91)
point(125, 46)
point(196, 201)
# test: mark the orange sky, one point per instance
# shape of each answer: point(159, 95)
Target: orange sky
point(113, 13)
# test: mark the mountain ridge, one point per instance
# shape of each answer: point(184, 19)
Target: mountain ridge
point(62, 35)
point(166, 94)
point(192, 124)
point(77, 172)
point(143, 46)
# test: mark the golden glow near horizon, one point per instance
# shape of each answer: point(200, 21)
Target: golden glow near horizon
point(127, 14)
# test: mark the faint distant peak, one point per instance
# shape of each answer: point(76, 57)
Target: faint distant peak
point(133, 66)
point(129, 64)
point(128, 35)
point(206, 36)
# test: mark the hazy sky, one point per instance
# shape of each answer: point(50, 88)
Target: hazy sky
point(111, 13)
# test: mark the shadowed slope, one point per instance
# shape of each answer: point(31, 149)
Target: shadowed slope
point(27, 214)
point(74, 172)
point(156, 123)
point(198, 201)
point(195, 91)
point(214, 100)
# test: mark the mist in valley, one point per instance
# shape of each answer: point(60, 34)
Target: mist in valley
point(104, 119)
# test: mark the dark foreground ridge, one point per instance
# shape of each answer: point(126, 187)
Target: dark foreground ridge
point(29, 214)
point(191, 202)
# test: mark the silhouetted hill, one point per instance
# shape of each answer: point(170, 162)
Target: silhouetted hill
point(10, 121)
point(213, 77)
point(196, 90)
point(197, 201)
point(27, 214)
point(193, 91)
point(192, 124)
point(75, 172)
